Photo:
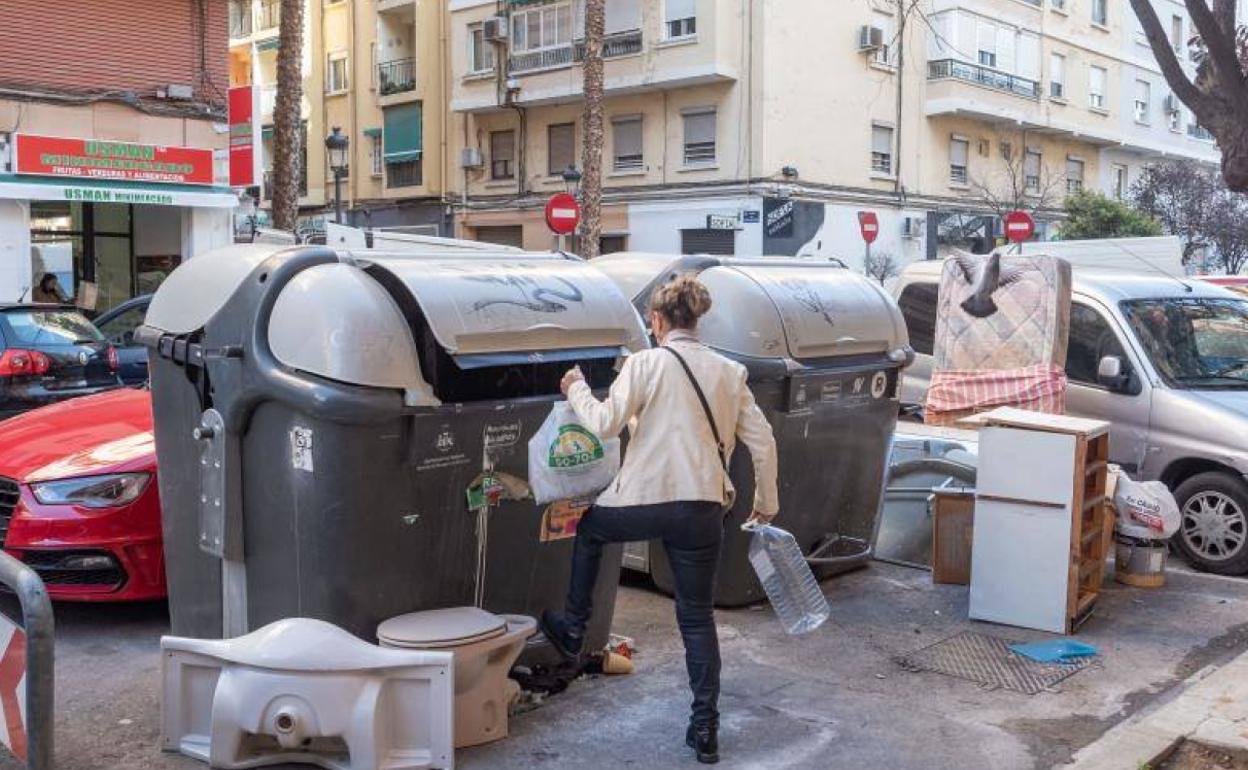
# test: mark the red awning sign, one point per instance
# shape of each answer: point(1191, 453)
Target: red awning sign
point(869, 226)
point(563, 214)
point(242, 137)
point(95, 159)
point(1019, 226)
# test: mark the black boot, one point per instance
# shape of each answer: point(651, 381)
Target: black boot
point(559, 632)
point(705, 743)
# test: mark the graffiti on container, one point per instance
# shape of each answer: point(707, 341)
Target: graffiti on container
point(807, 298)
point(530, 294)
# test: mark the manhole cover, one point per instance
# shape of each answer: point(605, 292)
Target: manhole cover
point(988, 661)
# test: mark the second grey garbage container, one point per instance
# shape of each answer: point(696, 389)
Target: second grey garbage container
point(321, 419)
point(824, 347)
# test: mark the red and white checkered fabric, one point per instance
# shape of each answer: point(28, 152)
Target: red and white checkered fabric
point(1040, 388)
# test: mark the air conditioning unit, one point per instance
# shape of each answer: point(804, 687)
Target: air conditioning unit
point(1172, 104)
point(494, 29)
point(870, 38)
point(470, 157)
point(911, 227)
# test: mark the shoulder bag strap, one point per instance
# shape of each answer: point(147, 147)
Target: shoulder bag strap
point(706, 407)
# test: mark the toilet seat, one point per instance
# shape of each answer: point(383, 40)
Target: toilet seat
point(439, 629)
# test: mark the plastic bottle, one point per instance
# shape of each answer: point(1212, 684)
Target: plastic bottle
point(786, 577)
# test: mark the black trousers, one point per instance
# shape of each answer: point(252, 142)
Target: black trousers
point(691, 533)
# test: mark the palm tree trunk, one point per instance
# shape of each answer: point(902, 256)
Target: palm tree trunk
point(591, 152)
point(287, 117)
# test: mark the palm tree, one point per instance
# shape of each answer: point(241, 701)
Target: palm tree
point(287, 117)
point(591, 151)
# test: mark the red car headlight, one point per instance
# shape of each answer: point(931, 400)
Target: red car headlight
point(109, 491)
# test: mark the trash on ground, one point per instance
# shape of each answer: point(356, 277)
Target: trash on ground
point(1054, 650)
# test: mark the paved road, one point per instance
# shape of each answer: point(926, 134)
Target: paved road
point(833, 698)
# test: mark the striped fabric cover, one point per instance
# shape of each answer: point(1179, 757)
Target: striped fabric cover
point(955, 394)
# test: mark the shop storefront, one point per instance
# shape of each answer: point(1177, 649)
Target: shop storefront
point(96, 223)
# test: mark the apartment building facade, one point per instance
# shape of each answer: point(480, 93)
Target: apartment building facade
point(112, 157)
point(374, 69)
point(733, 127)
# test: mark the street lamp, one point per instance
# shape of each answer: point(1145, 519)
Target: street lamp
point(571, 179)
point(336, 144)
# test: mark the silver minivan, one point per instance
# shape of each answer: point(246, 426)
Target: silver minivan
point(1165, 361)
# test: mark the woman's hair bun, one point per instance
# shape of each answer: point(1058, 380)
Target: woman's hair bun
point(681, 301)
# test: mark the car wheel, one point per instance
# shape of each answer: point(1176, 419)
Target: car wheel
point(1213, 529)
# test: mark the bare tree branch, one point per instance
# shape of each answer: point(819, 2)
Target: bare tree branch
point(1218, 41)
point(1184, 88)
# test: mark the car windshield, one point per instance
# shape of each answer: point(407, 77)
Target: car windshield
point(1194, 342)
point(48, 327)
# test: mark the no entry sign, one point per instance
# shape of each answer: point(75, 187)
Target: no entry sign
point(1019, 226)
point(869, 225)
point(563, 214)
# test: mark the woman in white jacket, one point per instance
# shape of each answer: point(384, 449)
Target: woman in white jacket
point(685, 406)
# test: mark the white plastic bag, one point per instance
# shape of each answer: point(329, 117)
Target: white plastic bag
point(1146, 509)
point(566, 460)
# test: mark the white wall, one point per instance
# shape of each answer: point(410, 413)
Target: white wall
point(656, 226)
point(205, 229)
point(841, 237)
point(15, 267)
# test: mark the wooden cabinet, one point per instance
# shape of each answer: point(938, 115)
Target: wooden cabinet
point(1043, 528)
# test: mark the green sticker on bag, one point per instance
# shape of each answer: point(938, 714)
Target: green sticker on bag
point(573, 447)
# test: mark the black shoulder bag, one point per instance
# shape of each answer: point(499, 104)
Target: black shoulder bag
point(710, 418)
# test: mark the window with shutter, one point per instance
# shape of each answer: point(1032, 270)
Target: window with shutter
point(561, 144)
point(680, 18)
point(502, 154)
point(959, 152)
point(1096, 87)
point(1057, 76)
point(626, 135)
point(882, 149)
point(622, 16)
point(1032, 161)
point(1143, 96)
point(1074, 175)
point(700, 138)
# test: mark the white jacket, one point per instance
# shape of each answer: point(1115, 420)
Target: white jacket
point(672, 455)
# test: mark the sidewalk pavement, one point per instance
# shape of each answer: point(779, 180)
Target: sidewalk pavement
point(1211, 708)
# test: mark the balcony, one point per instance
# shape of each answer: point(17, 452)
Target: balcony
point(952, 69)
point(1197, 131)
point(240, 19)
point(396, 77)
point(615, 45)
point(270, 15)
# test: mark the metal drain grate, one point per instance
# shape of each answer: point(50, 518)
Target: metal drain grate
point(988, 661)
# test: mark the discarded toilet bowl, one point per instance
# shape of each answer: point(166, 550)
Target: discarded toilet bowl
point(305, 691)
point(485, 646)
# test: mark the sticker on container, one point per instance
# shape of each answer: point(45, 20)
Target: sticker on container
point(500, 436)
point(573, 447)
point(560, 519)
point(301, 449)
point(879, 383)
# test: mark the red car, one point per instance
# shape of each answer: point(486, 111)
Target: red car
point(78, 497)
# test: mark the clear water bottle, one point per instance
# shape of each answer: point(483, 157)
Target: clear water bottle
point(786, 577)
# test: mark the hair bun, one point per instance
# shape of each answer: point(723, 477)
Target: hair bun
point(682, 301)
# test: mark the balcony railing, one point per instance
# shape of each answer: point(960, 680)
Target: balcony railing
point(396, 77)
point(270, 14)
point(240, 19)
point(613, 46)
point(952, 69)
point(303, 182)
point(1197, 131)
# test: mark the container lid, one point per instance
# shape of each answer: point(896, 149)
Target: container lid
point(516, 303)
point(200, 287)
point(777, 307)
point(441, 628)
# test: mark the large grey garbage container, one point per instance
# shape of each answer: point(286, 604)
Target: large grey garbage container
point(320, 417)
point(824, 347)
